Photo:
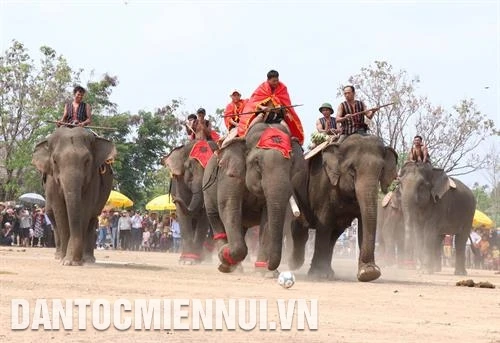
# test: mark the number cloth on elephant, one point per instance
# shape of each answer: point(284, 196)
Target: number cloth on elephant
point(201, 152)
point(273, 138)
point(279, 97)
point(232, 111)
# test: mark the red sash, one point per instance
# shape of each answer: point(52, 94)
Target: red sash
point(201, 152)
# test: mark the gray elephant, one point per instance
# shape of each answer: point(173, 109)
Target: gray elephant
point(343, 184)
point(187, 164)
point(77, 181)
point(390, 228)
point(433, 205)
point(248, 186)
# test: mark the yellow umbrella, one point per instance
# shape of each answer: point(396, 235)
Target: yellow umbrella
point(482, 220)
point(161, 203)
point(117, 199)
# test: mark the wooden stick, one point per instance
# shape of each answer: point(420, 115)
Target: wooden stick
point(269, 109)
point(74, 125)
point(371, 109)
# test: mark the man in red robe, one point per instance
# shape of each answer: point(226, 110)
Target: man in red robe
point(275, 91)
point(233, 109)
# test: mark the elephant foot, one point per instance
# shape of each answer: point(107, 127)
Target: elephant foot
point(89, 258)
point(325, 273)
point(368, 272)
point(460, 272)
point(226, 268)
point(69, 262)
point(58, 255)
point(189, 259)
point(226, 258)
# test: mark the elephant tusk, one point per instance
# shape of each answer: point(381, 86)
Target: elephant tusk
point(295, 208)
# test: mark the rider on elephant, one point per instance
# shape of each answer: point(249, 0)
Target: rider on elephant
point(275, 92)
point(202, 128)
point(77, 112)
point(352, 124)
point(233, 109)
point(327, 124)
point(418, 152)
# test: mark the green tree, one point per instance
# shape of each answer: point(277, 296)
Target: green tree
point(30, 94)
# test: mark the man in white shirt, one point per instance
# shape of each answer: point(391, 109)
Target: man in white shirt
point(136, 230)
point(176, 233)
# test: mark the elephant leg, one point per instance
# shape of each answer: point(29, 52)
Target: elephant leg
point(367, 269)
point(261, 262)
point(57, 239)
point(300, 235)
point(321, 264)
point(235, 251)
point(438, 248)
point(200, 236)
point(62, 229)
point(89, 241)
point(460, 244)
point(188, 255)
point(428, 250)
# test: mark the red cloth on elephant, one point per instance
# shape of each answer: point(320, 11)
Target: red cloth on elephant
point(201, 152)
point(273, 138)
point(279, 97)
point(232, 109)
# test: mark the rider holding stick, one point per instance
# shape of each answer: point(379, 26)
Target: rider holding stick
point(352, 123)
point(77, 112)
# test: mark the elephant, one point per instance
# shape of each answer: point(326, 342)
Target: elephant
point(433, 205)
point(77, 180)
point(390, 228)
point(247, 186)
point(187, 164)
point(343, 182)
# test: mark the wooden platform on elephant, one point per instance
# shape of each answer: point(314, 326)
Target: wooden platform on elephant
point(320, 147)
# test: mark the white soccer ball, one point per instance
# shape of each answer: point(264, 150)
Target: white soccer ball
point(286, 279)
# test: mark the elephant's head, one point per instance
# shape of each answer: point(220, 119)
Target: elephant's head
point(188, 171)
point(72, 156)
point(423, 185)
point(358, 161)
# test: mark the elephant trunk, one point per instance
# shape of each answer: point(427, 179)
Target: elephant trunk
point(277, 196)
point(367, 192)
point(196, 200)
point(73, 197)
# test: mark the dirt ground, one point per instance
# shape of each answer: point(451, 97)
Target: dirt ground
point(402, 306)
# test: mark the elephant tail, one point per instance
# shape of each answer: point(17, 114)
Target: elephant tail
point(475, 250)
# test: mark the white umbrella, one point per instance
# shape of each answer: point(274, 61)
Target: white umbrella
point(32, 198)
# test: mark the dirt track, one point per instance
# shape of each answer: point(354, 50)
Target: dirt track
point(402, 306)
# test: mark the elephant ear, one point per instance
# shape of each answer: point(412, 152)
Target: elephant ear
point(440, 184)
point(390, 169)
point(232, 159)
point(331, 163)
point(104, 150)
point(175, 161)
point(41, 157)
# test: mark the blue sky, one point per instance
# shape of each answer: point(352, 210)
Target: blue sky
point(201, 50)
